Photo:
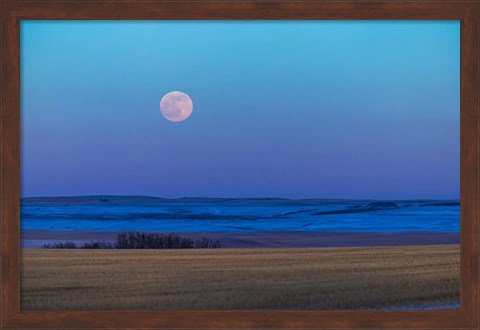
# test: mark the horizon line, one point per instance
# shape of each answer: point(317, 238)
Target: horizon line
point(240, 198)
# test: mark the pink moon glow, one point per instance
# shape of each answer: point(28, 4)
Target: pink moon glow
point(176, 106)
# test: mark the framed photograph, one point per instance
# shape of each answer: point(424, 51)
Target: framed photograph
point(239, 165)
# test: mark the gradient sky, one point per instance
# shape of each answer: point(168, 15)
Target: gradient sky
point(296, 109)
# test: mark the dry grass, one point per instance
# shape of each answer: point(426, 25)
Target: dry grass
point(303, 278)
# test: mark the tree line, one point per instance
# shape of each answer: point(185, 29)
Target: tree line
point(139, 240)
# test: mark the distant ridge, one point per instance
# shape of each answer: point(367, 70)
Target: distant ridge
point(91, 199)
point(94, 199)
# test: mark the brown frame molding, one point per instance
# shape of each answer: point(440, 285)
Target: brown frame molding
point(467, 11)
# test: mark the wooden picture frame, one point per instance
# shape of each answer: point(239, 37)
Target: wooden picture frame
point(13, 11)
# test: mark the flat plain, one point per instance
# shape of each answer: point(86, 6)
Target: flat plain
point(294, 278)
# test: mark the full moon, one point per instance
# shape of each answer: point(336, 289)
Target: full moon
point(176, 106)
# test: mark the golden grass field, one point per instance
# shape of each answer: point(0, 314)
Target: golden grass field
point(294, 278)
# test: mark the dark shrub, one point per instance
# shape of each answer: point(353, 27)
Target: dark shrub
point(66, 245)
point(137, 240)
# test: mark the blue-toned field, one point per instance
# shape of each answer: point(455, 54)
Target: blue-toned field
point(262, 222)
point(110, 213)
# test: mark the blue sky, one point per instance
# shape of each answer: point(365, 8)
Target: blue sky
point(296, 109)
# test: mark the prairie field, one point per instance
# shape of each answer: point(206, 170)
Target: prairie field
point(293, 278)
